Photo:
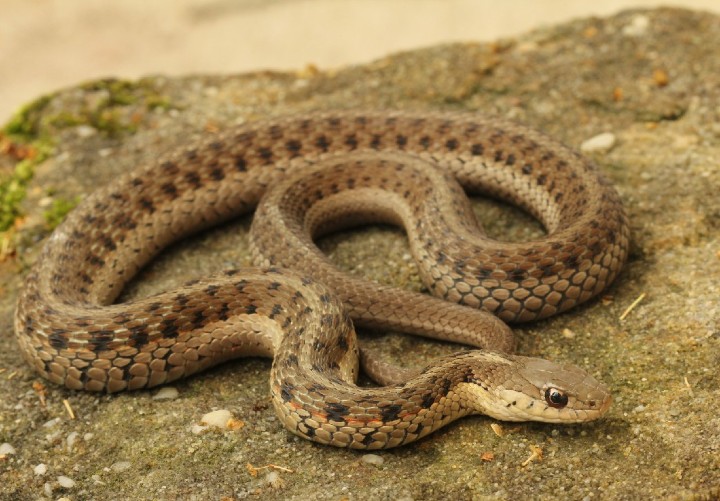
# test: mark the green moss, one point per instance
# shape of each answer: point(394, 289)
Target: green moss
point(58, 210)
point(36, 125)
point(24, 126)
point(13, 187)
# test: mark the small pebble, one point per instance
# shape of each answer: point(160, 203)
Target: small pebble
point(637, 27)
point(197, 429)
point(51, 423)
point(85, 130)
point(219, 419)
point(6, 449)
point(66, 482)
point(601, 142)
point(166, 393)
point(120, 466)
point(71, 439)
point(40, 469)
point(373, 459)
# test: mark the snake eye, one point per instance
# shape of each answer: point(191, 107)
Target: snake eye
point(556, 398)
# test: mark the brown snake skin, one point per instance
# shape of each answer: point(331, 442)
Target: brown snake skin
point(333, 170)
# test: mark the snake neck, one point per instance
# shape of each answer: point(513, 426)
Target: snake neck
point(331, 410)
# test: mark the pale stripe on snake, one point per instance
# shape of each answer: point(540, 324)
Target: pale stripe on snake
point(373, 167)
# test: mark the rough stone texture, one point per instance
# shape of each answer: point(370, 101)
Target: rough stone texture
point(652, 78)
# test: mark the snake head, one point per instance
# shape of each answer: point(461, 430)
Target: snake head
point(514, 388)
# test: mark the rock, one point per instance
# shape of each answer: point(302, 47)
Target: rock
point(66, 482)
point(40, 469)
point(166, 393)
point(601, 142)
point(6, 449)
point(218, 419)
point(372, 459)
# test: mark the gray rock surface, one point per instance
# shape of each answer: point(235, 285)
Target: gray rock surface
point(651, 78)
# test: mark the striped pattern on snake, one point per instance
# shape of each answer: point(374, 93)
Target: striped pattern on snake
point(70, 331)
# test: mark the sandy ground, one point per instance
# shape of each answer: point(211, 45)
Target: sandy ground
point(47, 44)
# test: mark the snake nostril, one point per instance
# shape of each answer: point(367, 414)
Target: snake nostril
point(591, 403)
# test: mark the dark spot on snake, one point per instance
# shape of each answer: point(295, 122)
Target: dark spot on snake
point(541, 179)
point(325, 298)
point(85, 278)
point(286, 391)
point(217, 174)
point(419, 429)
point(154, 306)
point(376, 141)
point(322, 143)
point(193, 179)
point(275, 132)
point(425, 142)
point(401, 141)
point(317, 368)
point(342, 342)
point(108, 243)
point(198, 319)
point(547, 270)
point(498, 155)
point(276, 309)
point(223, 312)
point(136, 182)
point(274, 286)
point(518, 275)
point(266, 154)
point(57, 341)
point(527, 169)
point(558, 196)
point(147, 205)
point(561, 165)
point(350, 183)
point(89, 219)
point(451, 144)
point(211, 290)
point(390, 412)
point(117, 196)
point(445, 385)
point(170, 190)
point(367, 439)
point(319, 345)
point(293, 146)
point(170, 167)
point(83, 290)
point(170, 329)
point(190, 155)
point(336, 411)
point(477, 149)
point(139, 336)
point(510, 160)
point(306, 280)
point(240, 164)
point(334, 122)
point(217, 145)
point(427, 400)
point(327, 320)
point(250, 309)
point(571, 261)
point(351, 141)
point(95, 260)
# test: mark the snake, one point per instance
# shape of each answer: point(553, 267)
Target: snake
point(310, 174)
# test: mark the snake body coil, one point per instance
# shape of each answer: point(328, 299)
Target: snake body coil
point(334, 170)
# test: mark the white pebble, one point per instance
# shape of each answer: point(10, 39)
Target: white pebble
point(71, 439)
point(166, 393)
point(637, 27)
point(120, 466)
point(6, 449)
point(219, 419)
point(88, 436)
point(372, 459)
point(47, 488)
point(197, 429)
point(601, 142)
point(66, 482)
point(85, 130)
point(51, 423)
point(40, 469)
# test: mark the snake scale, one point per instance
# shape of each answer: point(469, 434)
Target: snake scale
point(321, 172)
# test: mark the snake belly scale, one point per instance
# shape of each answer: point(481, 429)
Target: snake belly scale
point(72, 333)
